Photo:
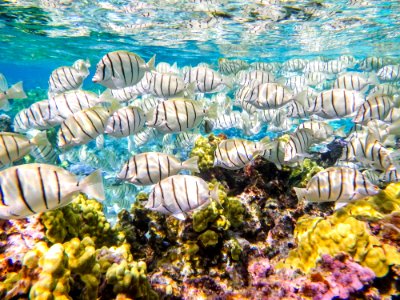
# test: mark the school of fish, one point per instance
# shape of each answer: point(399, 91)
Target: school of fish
point(286, 110)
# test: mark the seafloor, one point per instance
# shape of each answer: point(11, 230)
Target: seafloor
point(260, 243)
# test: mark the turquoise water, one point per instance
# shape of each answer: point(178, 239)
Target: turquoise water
point(38, 36)
point(35, 38)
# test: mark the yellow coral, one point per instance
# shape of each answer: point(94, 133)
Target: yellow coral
point(83, 217)
point(53, 282)
point(343, 232)
point(204, 148)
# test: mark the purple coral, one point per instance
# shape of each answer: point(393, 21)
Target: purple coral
point(337, 277)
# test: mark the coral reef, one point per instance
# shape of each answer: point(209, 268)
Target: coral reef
point(83, 217)
point(343, 232)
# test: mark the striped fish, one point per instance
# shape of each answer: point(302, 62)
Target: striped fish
point(338, 184)
point(267, 115)
point(265, 66)
point(297, 146)
point(315, 66)
point(335, 66)
point(206, 80)
point(82, 127)
point(390, 175)
point(234, 154)
point(385, 89)
point(166, 85)
point(393, 115)
point(14, 146)
point(37, 116)
point(65, 78)
point(14, 92)
point(122, 95)
point(372, 63)
point(351, 81)
point(33, 188)
point(179, 194)
point(144, 136)
point(294, 64)
point(147, 103)
point(295, 109)
point(374, 108)
point(151, 167)
point(66, 104)
point(120, 69)
point(321, 131)
point(389, 73)
point(367, 150)
point(271, 95)
point(228, 67)
point(176, 115)
point(125, 121)
point(336, 103)
point(275, 152)
point(246, 77)
point(315, 78)
point(226, 121)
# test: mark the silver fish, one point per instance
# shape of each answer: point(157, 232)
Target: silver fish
point(120, 69)
point(298, 144)
point(205, 79)
point(176, 115)
point(125, 121)
point(66, 78)
point(389, 73)
point(275, 152)
point(34, 188)
point(82, 127)
point(179, 194)
point(151, 167)
point(68, 103)
point(338, 184)
point(14, 146)
point(374, 108)
point(234, 154)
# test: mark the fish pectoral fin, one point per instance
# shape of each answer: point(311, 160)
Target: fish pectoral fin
point(180, 216)
point(339, 205)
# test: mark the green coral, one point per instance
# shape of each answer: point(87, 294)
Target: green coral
point(305, 170)
point(82, 261)
point(235, 249)
point(209, 238)
point(343, 232)
point(83, 217)
point(204, 148)
point(124, 274)
point(229, 213)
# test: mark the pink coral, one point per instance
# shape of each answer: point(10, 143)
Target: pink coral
point(337, 277)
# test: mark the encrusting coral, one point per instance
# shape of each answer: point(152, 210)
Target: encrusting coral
point(343, 232)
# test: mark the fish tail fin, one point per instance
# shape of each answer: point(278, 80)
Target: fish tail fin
point(151, 63)
point(16, 91)
point(301, 193)
point(92, 186)
point(228, 81)
point(212, 111)
point(191, 164)
point(341, 132)
point(214, 193)
point(395, 159)
point(377, 132)
point(373, 79)
point(82, 66)
point(106, 96)
point(189, 90)
point(40, 139)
